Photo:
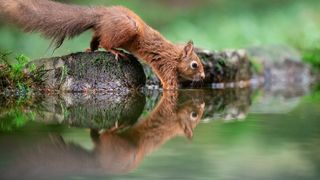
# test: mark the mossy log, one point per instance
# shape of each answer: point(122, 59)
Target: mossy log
point(99, 71)
point(96, 71)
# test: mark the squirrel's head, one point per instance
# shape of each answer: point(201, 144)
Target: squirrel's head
point(190, 115)
point(190, 66)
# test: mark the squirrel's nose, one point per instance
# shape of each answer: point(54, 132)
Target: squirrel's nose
point(202, 75)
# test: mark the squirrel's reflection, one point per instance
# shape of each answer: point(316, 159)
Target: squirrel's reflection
point(121, 152)
point(114, 152)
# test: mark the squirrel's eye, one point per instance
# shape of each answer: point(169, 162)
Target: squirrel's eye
point(193, 115)
point(194, 65)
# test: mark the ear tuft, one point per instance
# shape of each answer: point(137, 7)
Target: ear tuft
point(188, 49)
point(190, 42)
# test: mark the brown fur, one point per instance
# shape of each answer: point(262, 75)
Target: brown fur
point(120, 153)
point(114, 27)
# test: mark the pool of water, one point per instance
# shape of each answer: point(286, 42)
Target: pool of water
point(190, 134)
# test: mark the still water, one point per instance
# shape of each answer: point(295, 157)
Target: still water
point(190, 134)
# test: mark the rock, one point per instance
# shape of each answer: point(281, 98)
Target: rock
point(97, 71)
point(226, 66)
point(281, 67)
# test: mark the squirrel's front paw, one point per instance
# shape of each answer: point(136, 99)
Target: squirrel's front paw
point(88, 50)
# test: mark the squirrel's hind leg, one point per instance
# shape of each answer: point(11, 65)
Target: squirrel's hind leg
point(94, 44)
point(120, 34)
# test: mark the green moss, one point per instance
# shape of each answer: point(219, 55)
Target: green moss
point(15, 111)
point(17, 77)
point(64, 73)
point(96, 60)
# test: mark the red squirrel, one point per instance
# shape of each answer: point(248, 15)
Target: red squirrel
point(122, 152)
point(114, 28)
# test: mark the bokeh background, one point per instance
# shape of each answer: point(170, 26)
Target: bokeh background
point(211, 24)
point(262, 146)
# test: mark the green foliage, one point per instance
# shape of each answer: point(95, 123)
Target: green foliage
point(312, 56)
point(15, 111)
point(22, 60)
point(211, 24)
point(13, 120)
point(17, 77)
point(64, 73)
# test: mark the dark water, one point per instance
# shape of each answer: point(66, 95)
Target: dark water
point(191, 134)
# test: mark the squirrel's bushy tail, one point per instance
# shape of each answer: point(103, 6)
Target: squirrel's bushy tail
point(54, 20)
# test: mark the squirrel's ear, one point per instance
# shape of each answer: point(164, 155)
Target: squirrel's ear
point(188, 49)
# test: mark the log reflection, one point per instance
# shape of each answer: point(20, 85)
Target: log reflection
point(114, 152)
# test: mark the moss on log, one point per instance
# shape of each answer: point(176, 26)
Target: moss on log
point(97, 71)
point(225, 66)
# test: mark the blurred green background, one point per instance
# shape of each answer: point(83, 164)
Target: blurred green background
point(212, 24)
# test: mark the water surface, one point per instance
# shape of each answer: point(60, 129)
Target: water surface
point(191, 134)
